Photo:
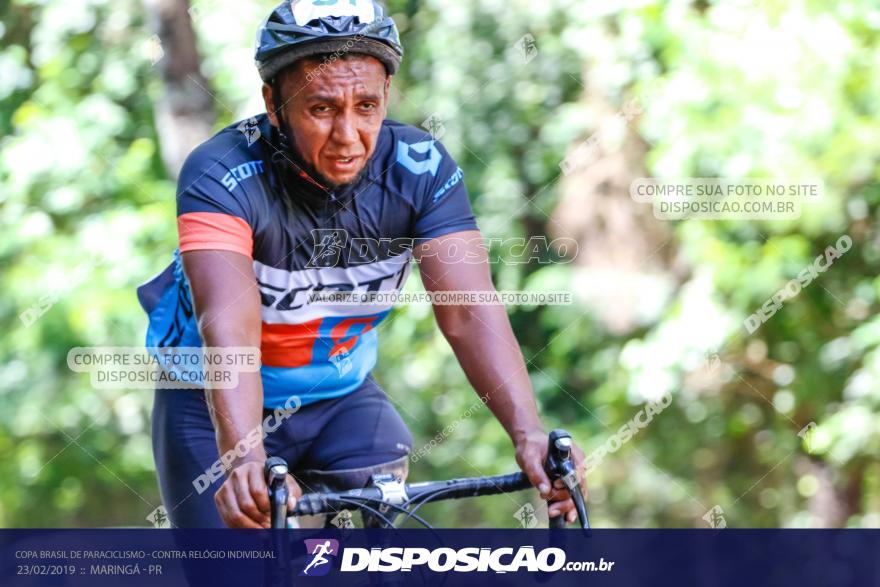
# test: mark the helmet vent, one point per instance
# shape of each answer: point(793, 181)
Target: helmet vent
point(306, 11)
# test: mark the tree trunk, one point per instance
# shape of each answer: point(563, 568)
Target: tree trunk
point(625, 255)
point(835, 500)
point(185, 114)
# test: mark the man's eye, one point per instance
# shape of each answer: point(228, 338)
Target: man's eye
point(321, 109)
point(368, 106)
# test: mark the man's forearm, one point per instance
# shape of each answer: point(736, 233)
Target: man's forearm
point(483, 341)
point(237, 414)
point(228, 308)
point(488, 352)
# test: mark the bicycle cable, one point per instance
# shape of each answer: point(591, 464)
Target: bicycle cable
point(365, 500)
point(425, 498)
point(387, 521)
point(362, 505)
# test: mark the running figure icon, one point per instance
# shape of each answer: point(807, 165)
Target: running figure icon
point(320, 551)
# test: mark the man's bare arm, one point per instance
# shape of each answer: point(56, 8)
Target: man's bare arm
point(486, 348)
point(227, 306)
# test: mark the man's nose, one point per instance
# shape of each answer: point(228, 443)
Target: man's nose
point(345, 130)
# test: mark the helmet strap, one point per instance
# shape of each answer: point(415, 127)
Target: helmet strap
point(283, 129)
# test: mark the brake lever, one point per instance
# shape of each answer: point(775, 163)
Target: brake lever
point(276, 470)
point(561, 466)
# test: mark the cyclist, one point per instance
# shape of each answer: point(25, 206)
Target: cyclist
point(320, 193)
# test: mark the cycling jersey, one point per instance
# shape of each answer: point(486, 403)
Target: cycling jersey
point(359, 240)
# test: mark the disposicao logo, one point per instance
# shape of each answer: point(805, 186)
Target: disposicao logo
point(321, 551)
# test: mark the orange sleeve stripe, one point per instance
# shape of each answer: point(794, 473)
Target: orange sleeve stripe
point(215, 231)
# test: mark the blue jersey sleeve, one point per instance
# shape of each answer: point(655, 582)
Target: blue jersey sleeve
point(213, 209)
point(211, 183)
point(443, 207)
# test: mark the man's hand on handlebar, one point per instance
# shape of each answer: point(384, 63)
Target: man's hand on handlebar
point(243, 499)
point(531, 454)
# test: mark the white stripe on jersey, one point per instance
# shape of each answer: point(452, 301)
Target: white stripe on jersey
point(290, 289)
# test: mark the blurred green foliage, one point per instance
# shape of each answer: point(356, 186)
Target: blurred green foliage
point(726, 88)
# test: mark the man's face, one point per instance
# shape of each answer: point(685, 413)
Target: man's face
point(336, 117)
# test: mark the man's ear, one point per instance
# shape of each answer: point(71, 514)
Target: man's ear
point(270, 105)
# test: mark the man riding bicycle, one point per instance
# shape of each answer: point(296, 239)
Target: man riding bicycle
point(320, 194)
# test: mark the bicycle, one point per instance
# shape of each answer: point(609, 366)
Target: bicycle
point(388, 497)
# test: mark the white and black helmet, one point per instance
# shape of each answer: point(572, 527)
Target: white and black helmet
point(302, 28)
